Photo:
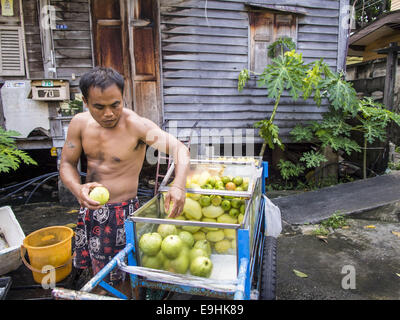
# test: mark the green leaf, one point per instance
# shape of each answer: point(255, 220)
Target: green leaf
point(313, 159)
point(244, 76)
point(341, 94)
point(288, 169)
point(300, 274)
point(10, 155)
point(301, 134)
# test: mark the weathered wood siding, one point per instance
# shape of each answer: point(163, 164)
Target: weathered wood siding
point(32, 39)
point(205, 48)
point(73, 46)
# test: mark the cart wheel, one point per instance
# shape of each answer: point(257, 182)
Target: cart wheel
point(268, 270)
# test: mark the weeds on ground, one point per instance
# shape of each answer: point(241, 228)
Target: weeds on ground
point(336, 221)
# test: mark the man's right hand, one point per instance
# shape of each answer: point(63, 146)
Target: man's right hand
point(83, 196)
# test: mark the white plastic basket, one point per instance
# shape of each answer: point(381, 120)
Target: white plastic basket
point(10, 257)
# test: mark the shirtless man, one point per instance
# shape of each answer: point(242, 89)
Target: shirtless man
point(114, 140)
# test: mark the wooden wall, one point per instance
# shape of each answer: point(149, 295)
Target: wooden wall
point(395, 5)
point(73, 46)
point(32, 39)
point(202, 56)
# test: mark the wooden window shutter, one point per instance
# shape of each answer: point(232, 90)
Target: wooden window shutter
point(11, 51)
point(261, 37)
point(265, 28)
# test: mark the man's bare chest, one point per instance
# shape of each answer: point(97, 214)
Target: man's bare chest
point(113, 148)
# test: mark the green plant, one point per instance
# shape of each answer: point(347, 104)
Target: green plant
point(289, 170)
point(335, 221)
point(10, 155)
point(394, 165)
point(320, 231)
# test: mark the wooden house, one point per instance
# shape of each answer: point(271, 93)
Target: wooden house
point(376, 72)
point(180, 58)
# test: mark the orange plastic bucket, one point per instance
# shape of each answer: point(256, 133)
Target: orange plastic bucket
point(50, 247)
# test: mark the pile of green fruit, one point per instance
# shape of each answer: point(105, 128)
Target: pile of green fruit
point(175, 251)
point(214, 209)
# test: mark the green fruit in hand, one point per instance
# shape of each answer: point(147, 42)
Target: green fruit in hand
point(187, 238)
point(226, 205)
point(201, 267)
point(150, 243)
point(192, 209)
point(234, 212)
point(238, 181)
point(236, 203)
point(203, 244)
point(99, 194)
point(166, 229)
point(222, 246)
point(171, 246)
point(197, 252)
point(205, 201)
point(216, 200)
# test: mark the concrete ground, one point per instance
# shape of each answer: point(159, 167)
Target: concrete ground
point(367, 248)
point(365, 255)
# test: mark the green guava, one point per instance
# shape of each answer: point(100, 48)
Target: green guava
point(203, 244)
point(171, 246)
point(187, 238)
point(99, 194)
point(178, 265)
point(166, 229)
point(197, 252)
point(201, 267)
point(150, 243)
point(153, 262)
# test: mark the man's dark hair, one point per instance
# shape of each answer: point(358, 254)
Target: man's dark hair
point(100, 77)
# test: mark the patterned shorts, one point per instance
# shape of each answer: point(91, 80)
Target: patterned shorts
point(100, 235)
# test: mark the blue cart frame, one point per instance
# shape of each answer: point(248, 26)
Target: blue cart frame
point(249, 274)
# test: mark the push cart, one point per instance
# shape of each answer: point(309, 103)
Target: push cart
point(243, 263)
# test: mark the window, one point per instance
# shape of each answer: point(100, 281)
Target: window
point(11, 51)
point(265, 28)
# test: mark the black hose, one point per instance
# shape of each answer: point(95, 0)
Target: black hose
point(33, 191)
point(25, 182)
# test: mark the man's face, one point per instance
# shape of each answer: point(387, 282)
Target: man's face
point(106, 105)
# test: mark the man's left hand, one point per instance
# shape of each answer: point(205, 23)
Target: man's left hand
point(176, 197)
